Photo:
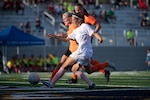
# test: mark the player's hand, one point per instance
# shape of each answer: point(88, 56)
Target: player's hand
point(100, 41)
point(51, 35)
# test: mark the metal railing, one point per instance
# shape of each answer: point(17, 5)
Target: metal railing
point(118, 38)
point(49, 18)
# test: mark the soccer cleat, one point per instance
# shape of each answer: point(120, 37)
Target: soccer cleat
point(47, 84)
point(111, 65)
point(107, 76)
point(71, 81)
point(92, 86)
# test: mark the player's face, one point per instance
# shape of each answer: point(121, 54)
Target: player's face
point(75, 21)
point(66, 20)
point(78, 10)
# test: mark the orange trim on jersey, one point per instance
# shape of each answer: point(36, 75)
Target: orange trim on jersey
point(89, 19)
point(73, 45)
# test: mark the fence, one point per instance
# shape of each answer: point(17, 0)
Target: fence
point(111, 37)
point(118, 38)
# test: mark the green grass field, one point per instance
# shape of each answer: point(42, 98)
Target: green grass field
point(117, 79)
point(133, 85)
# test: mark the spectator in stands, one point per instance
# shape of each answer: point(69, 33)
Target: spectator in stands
point(144, 14)
point(103, 16)
point(58, 9)
point(148, 59)
point(130, 37)
point(143, 5)
point(70, 7)
point(38, 25)
point(28, 27)
point(21, 26)
point(33, 3)
point(111, 15)
point(51, 8)
point(19, 6)
point(65, 5)
point(11, 3)
point(90, 2)
point(144, 22)
point(121, 3)
point(6, 5)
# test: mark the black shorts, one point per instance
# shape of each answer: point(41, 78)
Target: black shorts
point(68, 52)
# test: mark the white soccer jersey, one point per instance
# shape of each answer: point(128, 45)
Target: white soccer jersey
point(82, 35)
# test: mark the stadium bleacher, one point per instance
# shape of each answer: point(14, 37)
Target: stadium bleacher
point(113, 33)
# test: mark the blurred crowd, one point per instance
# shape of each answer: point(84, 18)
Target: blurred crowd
point(32, 64)
point(13, 5)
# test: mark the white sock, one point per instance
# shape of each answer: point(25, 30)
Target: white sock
point(84, 77)
point(57, 76)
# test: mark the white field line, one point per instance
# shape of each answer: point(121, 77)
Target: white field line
point(73, 84)
point(103, 85)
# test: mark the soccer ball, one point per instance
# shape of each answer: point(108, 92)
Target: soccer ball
point(34, 78)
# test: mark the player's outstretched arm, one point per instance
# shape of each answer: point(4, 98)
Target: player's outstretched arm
point(98, 36)
point(61, 38)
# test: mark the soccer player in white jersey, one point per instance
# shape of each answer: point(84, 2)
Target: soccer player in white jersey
point(80, 58)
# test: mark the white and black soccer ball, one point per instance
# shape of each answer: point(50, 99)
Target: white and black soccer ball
point(34, 78)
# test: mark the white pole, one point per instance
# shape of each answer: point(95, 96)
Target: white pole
point(136, 34)
point(131, 3)
point(147, 2)
point(97, 2)
point(124, 32)
point(17, 50)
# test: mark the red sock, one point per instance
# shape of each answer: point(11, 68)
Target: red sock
point(95, 68)
point(93, 62)
point(74, 76)
point(102, 71)
point(53, 73)
point(99, 66)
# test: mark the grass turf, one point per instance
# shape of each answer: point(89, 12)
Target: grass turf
point(117, 80)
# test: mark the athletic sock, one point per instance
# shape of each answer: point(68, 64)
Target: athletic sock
point(53, 73)
point(99, 66)
point(94, 62)
point(58, 75)
point(74, 76)
point(84, 77)
point(102, 71)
